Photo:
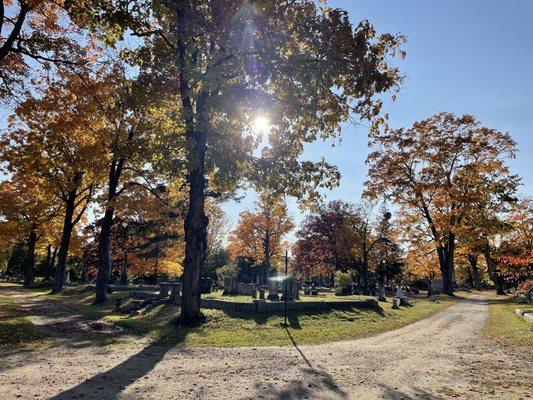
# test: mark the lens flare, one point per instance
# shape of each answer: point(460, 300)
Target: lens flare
point(262, 124)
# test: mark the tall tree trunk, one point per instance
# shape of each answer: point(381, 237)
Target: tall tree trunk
point(68, 225)
point(196, 220)
point(48, 260)
point(195, 231)
point(29, 276)
point(123, 270)
point(83, 274)
point(446, 262)
point(266, 263)
point(474, 271)
point(102, 279)
point(494, 276)
point(51, 267)
point(364, 264)
point(104, 248)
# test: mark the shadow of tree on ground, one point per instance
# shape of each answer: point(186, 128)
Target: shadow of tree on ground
point(316, 383)
point(108, 384)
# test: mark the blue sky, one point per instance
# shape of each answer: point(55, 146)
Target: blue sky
point(472, 57)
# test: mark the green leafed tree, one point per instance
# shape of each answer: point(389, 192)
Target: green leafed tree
point(300, 68)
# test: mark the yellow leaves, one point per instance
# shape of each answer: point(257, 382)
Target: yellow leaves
point(259, 234)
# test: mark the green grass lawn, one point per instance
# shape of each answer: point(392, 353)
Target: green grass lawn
point(15, 329)
point(224, 328)
point(505, 326)
point(309, 327)
point(231, 328)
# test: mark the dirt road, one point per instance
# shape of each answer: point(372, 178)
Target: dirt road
point(440, 357)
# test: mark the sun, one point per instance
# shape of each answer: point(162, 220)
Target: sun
point(262, 124)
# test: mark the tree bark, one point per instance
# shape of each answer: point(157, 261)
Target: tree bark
point(104, 253)
point(266, 263)
point(47, 262)
point(446, 255)
point(51, 267)
point(474, 271)
point(494, 276)
point(7, 45)
point(102, 279)
point(83, 274)
point(195, 231)
point(366, 289)
point(123, 274)
point(68, 225)
point(29, 276)
point(196, 220)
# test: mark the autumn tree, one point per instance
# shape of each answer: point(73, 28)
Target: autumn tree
point(513, 256)
point(434, 171)
point(422, 262)
point(217, 254)
point(52, 137)
point(326, 240)
point(373, 246)
point(26, 213)
point(386, 255)
point(304, 67)
point(260, 235)
point(147, 233)
point(135, 128)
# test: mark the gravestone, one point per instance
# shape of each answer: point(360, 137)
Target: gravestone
point(164, 290)
point(288, 289)
point(395, 302)
point(296, 291)
point(175, 291)
point(404, 300)
point(230, 286)
point(273, 291)
point(245, 289)
point(381, 293)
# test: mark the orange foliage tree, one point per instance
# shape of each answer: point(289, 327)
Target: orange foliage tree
point(434, 171)
point(515, 253)
point(26, 212)
point(52, 136)
point(260, 235)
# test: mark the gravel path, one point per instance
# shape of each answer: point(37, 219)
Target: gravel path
point(439, 357)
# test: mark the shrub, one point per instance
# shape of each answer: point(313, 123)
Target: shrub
point(342, 279)
point(226, 271)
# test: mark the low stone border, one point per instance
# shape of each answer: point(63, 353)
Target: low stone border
point(140, 294)
point(258, 306)
point(126, 288)
point(527, 316)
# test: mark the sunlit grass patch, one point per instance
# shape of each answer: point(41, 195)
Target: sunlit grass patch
point(240, 328)
point(224, 328)
point(15, 329)
point(506, 327)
